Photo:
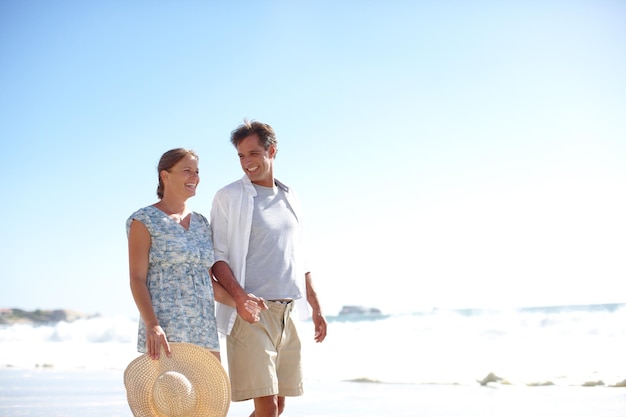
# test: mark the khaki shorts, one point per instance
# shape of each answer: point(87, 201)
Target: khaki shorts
point(264, 357)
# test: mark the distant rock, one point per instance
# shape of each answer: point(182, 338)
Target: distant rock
point(593, 384)
point(364, 380)
point(16, 315)
point(491, 377)
point(540, 384)
point(346, 310)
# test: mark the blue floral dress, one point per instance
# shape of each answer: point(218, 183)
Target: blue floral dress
point(178, 278)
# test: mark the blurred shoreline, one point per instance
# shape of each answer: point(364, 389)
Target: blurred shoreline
point(101, 393)
point(566, 346)
point(10, 316)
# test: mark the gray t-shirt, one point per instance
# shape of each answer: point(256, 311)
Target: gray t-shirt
point(271, 260)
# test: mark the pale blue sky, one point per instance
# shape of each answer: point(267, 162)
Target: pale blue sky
point(448, 153)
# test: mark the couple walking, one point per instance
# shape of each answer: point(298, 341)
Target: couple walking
point(250, 258)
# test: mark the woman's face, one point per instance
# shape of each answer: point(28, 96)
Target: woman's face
point(183, 178)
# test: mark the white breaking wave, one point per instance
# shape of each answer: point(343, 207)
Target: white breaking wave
point(96, 343)
point(95, 330)
point(531, 346)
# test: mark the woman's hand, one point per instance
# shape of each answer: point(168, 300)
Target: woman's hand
point(155, 338)
point(250, 307)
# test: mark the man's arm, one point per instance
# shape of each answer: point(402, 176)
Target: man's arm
point(319, 321)
point(243, 301)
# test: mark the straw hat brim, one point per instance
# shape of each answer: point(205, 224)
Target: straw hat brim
point(198, 365)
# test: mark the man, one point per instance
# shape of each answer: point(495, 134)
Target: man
point(259, 253)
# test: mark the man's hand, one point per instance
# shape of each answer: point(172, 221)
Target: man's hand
point(319, 321)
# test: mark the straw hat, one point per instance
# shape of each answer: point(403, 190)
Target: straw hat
point(189, 384)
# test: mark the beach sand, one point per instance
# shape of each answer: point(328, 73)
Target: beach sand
point(90, 393)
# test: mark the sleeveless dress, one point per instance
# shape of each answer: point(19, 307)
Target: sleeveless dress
point(178, 278)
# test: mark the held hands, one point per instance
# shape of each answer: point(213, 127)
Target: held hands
point(250, 307)
point(155, 338)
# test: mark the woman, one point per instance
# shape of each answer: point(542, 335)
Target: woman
point(170, 254)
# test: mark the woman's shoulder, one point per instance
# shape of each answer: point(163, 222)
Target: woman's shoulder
point(144, 211)
point(201, 219)
point(144, 214)
point(200, 216)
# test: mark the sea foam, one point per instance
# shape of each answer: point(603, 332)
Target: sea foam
point(571, 345)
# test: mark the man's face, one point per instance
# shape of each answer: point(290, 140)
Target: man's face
point(256, 161)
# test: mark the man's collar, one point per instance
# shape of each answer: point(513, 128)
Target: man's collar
point(279, 184)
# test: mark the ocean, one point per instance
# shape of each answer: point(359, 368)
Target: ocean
point(562, 345)
point(528, 351)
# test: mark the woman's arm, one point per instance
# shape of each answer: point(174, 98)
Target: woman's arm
point(222, 296)
point(139, 241)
